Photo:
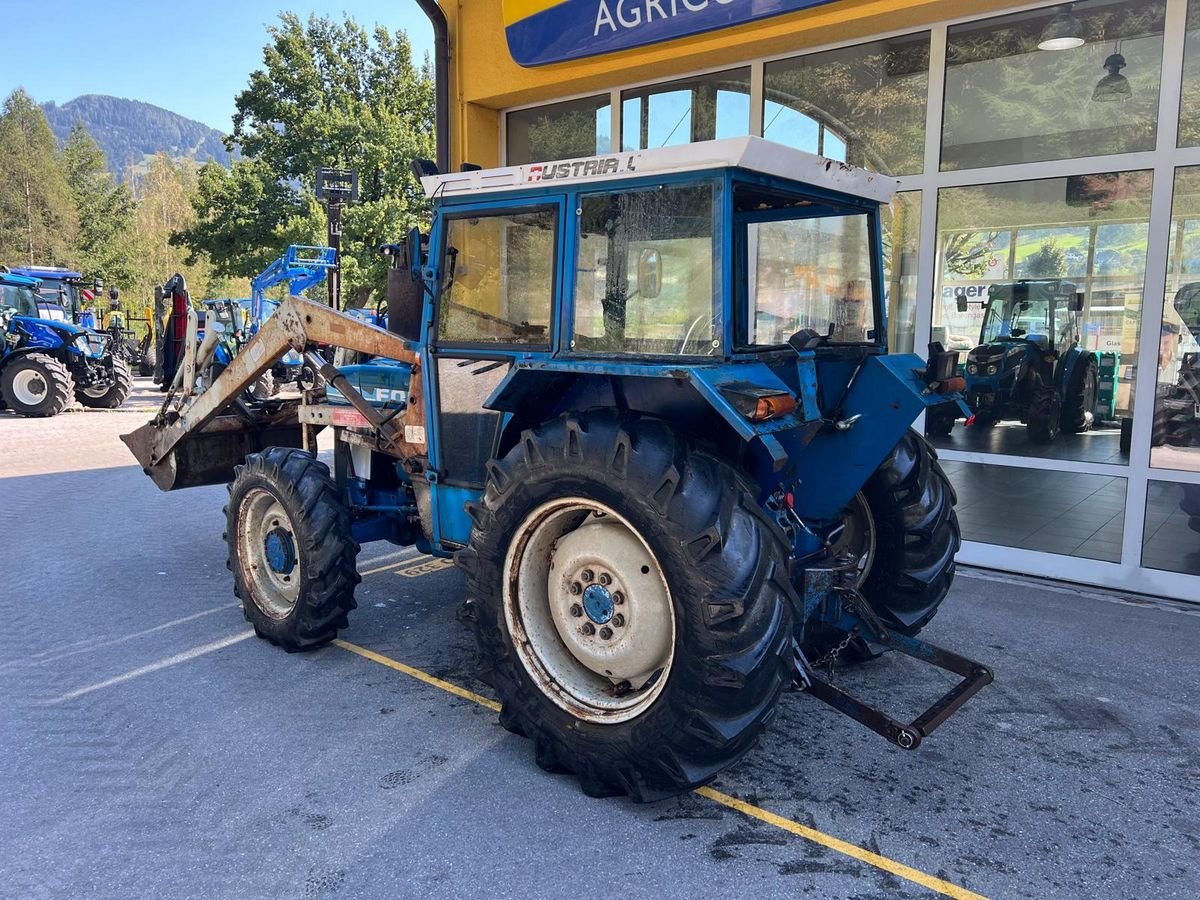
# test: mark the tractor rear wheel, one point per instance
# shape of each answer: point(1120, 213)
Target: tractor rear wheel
point(111, 395)
point(146, 356)
point(291, 550)
point(629, 602)
point(36, 385)
point(902, 531)
point(1079, 399)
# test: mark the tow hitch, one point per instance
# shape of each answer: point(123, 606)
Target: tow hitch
point(846, 609)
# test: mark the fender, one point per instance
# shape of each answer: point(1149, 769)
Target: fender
point(44, 334)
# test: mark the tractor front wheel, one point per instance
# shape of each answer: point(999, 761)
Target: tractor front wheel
point(629, 603)
point(291, 550)
point(36, 385)
point(112, 394)
point(1079, 399)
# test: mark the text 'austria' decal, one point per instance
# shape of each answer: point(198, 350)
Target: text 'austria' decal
point(582, 168)
point(549, 31)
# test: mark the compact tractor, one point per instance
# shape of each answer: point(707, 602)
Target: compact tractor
point(46, 363)
point(644, 401)
point(1028, 365)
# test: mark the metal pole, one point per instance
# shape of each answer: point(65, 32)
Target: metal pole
point(335, 241)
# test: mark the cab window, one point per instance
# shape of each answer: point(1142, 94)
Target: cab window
point(498, 274)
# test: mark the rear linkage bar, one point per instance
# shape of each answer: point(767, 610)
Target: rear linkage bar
point(847, 610)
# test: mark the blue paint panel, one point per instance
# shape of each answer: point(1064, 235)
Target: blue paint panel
point(574, 29)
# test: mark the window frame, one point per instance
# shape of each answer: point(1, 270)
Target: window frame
point(553, 204)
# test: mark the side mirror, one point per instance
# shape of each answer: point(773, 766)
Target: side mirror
point(961, 302)
point(649, 274)
point(1076, 302)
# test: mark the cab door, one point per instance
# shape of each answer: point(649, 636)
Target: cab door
point(499, 275)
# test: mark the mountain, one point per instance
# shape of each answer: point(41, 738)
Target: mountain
point(130, 132)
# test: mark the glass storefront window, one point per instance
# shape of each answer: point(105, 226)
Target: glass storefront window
point(1035, 509)
point(559, 131)
point(864, 105)
point(1175, 439)
point(901, 248)
point(1171, 539)
point(1007, 101)
point(1040, 290)
point(703, 108)
point(1189, 100)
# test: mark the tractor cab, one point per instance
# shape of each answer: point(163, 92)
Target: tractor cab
point(63, 295)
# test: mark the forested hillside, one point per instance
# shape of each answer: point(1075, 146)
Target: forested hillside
point(131, 132)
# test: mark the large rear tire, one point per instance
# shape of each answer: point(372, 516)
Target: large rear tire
point(291, 550)
point(108, 396)
point(36, 385)
point(661, 535)
point(916, 536)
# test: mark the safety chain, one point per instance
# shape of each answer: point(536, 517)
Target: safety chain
point(832, 655)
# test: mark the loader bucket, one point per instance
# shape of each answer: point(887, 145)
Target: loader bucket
point(208, 456)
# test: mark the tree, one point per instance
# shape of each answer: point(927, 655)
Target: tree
point(1048, 262)
point(38, 221)
point(330, 94)
point(165, 197)
point(105, 210)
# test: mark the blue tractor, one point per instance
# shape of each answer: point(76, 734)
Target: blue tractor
point(644, 401)
point(1028, 364)
point(46, 363)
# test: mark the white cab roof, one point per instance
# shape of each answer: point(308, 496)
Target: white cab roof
point(753, 153)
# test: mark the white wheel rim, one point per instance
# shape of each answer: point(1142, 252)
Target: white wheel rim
point(589, 610)
point(97, 390)
point(265, 532)
point(29, 387)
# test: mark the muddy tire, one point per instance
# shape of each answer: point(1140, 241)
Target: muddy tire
point(291, 550)
point(917, 536)
point(662, 536)
point(147, 354)
point(36, 385)
point(112, 395)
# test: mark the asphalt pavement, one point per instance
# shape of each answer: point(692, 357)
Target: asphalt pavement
point(151, 746)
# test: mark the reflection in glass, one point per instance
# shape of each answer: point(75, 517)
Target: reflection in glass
point(864, 105)
point(1040, 291)
point(566, 130)
point(1171, 539)
point(1009, 102)
point(1189, 101)
point(644, 272)
point(901, 247)
point(1175, 438)
point(1035, 509)
point(811, 273)
point(702, 108)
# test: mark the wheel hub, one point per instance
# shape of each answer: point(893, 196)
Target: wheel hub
point(29, 387)
point(280, 551)
point(598, 604)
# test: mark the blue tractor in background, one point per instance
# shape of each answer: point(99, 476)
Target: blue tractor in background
point(1028, 364)
point(47, 363)
point(644, 401)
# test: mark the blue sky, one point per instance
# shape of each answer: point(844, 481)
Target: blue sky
point(191, 58)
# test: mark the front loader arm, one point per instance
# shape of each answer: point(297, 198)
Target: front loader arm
point(295, 324)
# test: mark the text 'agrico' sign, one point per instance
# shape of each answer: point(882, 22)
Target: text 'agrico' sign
point(548, 31)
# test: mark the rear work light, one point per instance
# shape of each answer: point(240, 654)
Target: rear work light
point(759, 404)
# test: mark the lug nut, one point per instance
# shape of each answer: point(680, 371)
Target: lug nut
point(576, 610)
point(618, 620)
point(586, 575)
point(606, 632)
point(618, 598)
point(605, 579)
point(588, 628)
point(576, 588)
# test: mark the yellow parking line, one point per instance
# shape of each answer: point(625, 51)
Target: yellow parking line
point(419, 675)
point(916, 876)
point(387, 568)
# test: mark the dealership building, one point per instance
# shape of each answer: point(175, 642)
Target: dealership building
point(1058, 143)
